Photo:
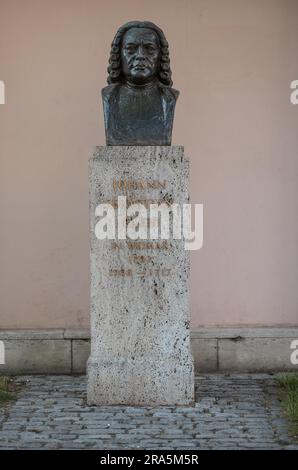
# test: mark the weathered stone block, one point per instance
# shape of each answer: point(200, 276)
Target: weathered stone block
point(205, 353)
point(256, 354)
point(80, 355)
point(37, 356)
point(140, 348)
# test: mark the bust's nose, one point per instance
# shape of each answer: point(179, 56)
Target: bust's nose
point(140, 52)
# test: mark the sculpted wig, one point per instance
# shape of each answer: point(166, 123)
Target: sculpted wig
point(115, 70)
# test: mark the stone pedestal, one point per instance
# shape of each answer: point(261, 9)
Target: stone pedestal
point(140, 345)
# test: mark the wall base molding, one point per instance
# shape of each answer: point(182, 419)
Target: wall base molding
point(65, 351)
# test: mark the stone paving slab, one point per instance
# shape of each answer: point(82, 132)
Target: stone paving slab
point(236, 411)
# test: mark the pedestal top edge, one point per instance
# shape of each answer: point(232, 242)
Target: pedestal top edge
point(138, 147)
point(137, 150)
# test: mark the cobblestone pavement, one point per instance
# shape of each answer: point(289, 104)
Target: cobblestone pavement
point(237, 411)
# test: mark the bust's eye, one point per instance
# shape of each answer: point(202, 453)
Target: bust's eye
point(150, 48)
point(130, 49)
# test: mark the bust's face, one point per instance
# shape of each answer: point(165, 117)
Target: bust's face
point(140, 55)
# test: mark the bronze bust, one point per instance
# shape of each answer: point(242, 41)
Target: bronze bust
point(139, 102)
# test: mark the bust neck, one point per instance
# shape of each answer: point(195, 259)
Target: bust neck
point(142, 87)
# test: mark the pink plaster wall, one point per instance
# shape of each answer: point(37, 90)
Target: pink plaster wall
point(233, 61)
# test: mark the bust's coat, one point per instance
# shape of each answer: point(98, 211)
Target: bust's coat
point(116, 135)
